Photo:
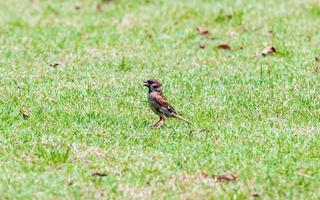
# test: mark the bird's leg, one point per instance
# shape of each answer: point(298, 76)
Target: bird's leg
point(160, 122)
point(156, 124)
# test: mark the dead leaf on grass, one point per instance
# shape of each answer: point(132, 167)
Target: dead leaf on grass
point(149, 36)
point(201, 46)
point(25, 113)
point(55, 64)
point(99, 174)
point(224, 46)
point(255, 194)
point(202, 31)
point(268, 50)
point(100, 7)
point(317, 58)
point(227, 177)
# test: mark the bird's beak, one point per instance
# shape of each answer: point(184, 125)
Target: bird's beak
point(145, 83)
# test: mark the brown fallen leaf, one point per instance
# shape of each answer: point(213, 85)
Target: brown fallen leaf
point(224, 46)
point(255, 194)
point(55, 64)
point(99, 174)
point(227, 177)
point(149, 36)
point(25, 113)
point(268, 50)
point(201, 46)
point(202, 31)
point(317, 58)
point(317, 70)
point(100, 7)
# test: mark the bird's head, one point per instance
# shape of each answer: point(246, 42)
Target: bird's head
point(153, 85)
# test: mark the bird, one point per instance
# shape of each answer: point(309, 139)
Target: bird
point(159, 104)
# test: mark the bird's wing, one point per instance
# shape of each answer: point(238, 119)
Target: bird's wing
point(163, 102)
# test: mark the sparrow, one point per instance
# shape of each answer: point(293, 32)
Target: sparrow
point(159, 104)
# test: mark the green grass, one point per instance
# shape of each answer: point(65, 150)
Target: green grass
point(258, 118)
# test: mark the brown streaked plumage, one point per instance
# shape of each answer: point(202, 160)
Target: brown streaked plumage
point(159, 104)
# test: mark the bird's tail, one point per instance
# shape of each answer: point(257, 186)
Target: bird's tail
point(181, 118)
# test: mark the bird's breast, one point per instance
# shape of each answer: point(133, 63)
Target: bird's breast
point(154, 105)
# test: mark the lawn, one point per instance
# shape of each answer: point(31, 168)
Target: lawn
point(74, 116)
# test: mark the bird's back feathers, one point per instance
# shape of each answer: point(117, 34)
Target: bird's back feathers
point(162, 101)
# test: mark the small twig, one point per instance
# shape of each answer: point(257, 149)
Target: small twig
point(305, 175)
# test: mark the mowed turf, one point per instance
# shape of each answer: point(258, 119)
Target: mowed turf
point(82, 129)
